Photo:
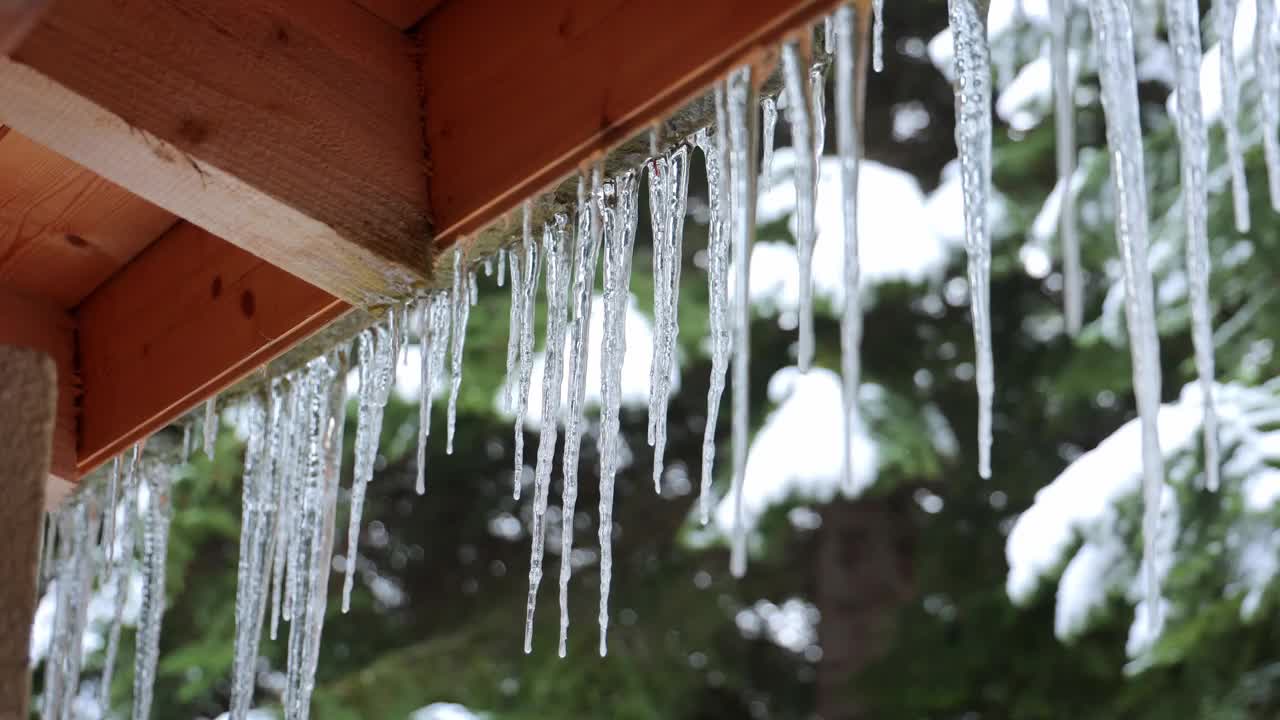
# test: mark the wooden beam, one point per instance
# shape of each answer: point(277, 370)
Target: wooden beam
point(17, 17)
point(37, 324)
point(291, 128)
point(64, 229)
point(189, 317)
point(559, 82)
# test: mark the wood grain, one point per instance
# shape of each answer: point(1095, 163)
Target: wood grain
point(189, 317)
point(64, 229)
point(561, 81)
point(291, 128)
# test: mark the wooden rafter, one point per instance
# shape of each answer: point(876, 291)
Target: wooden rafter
point(289, 128)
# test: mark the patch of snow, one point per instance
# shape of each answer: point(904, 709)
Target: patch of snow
point(445, 711)
point(897, 241)
point(797, 451)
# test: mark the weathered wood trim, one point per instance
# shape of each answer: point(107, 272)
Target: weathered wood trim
point(291, 128)
point(34, 323)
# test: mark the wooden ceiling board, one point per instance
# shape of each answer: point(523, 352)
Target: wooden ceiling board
point(63, 229)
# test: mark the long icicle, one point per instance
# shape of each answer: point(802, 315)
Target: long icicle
point(619, 227)
point(769, 122)
point(877, 36)
point(155, 544)
point(210, 425)
point(1225, 15)
point(1183, 20)
point(377, 372)
point(552, 387)
point(743, 136)
point(676, 178)
point(254, 517)
point(435, 320)
point(973, 141)
point(800, 116)
point(120, 566)
point(848, 139)
point(719, 240)
point(1114, 31)
point(1267, 61)
point(463, 286)
point(513, 331)
point(1064, 87)
point(529, 258)
point(584, 275)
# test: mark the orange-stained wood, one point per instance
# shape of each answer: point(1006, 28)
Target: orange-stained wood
point(291, 128)
point(187, 318)
point(518, 94)
point(404, 14)
point(17, 17)
point(37, 324)
point(63, 229)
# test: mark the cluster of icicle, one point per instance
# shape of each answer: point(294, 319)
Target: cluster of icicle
point(95, 543)
point(290, 489)
point(1113, 32)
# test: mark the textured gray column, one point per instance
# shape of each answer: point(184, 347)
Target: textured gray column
point(28, 393)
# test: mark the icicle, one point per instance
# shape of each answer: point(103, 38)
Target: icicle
point(1183, 20)
point(659, 206)
point(529, 257)
point(877, 36)
point(461, 312)
point(155, 546)
point(251, 570)
point(818, 115)
point(513, 332)
point(1114, 32)
point(828, 35)
point(673, 175)
point(799, 115)
point(1225, 14)
point(973, 141)
point(743, 135)
point(79, 523)
point(554, 241)
point(121, 562)
point(113, 495)
point(313, 526)
point(584, 276)
point(376, 377)
point(210, 425)
point(719, 238)
point(473, 288)
point(619, 230)
point(1267, 61)
point(434, 316)
point(186, 440)
point(502, 266)
point(848, 139)
point(1064, 85)
point(769, 121)
point(488, 267)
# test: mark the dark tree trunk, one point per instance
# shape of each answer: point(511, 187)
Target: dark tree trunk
point(864, 568)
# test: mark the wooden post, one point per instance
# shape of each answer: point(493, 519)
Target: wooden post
point(28, 400)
